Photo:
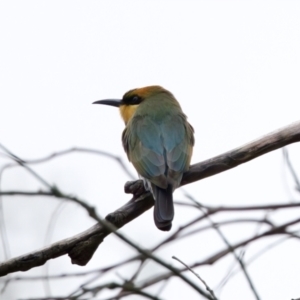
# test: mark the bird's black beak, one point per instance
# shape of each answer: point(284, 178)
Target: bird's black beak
point(111, 102)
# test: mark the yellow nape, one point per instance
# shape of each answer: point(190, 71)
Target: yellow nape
point(127, 111)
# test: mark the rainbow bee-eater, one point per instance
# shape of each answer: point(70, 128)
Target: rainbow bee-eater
point(159, 143)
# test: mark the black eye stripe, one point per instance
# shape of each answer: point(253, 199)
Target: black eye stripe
point(133, 100)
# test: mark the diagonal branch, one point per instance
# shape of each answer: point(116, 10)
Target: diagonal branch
point(82, 246)
point(228, 160)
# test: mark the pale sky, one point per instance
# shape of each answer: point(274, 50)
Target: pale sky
point(234, 67)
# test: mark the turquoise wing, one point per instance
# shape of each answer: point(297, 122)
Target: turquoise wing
point(160, 152)
point(178, 136)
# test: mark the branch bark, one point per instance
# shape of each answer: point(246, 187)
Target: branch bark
point(228, 160)
point(81, 247)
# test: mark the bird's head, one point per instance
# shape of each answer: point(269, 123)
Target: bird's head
point(132, 99)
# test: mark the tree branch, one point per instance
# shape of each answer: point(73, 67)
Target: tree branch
point(228, 160)
point(81, 247)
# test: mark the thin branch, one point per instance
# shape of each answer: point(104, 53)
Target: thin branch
point(118, 159)
point(148, 254)
point(198, 276)
point(252, 207)
point(4, 237)
point(216, 227)
point(209, 227)
point(219, 255)
point(291, 168)
point(255, 256)
point(48, 236)
point(229, 273)
point(54, 193)
point(23, 164)
point(126, 287)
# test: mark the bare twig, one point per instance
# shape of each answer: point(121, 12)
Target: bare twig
point(78, 150)
point(291, 168)
point(54, 193)
point(197, 275)
point(128, 287)
point(216, 227)
point(219, 255)
point(23, 164)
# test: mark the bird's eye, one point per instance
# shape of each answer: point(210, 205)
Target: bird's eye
point(135, 100)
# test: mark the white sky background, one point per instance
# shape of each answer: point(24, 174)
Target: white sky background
point(233, 66)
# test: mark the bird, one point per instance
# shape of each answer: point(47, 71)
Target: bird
point(158, 141)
